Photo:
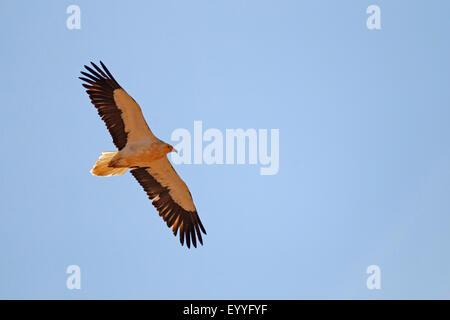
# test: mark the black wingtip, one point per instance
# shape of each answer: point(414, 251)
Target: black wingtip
point(188, 238)
point(94, 65)
point(181, 237)
point(193, 238)
point(107, 71)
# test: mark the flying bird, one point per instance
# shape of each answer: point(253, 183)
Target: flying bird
point(141, 152)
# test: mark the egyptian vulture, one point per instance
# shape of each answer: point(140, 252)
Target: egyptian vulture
point(141, 152)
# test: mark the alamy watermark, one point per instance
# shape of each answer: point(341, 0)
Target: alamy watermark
point(73, 21)
point(374, 20)
point(236, 146)
point(74, 280)
point(373, 282)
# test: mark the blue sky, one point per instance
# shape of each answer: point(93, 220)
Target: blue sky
point(364, 172)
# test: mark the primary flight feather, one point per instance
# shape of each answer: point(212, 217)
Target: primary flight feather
point(141, 152)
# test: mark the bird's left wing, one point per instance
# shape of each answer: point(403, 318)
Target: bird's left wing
point(172, 199)
point(121, 114)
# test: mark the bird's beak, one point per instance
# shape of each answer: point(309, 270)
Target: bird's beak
point(175, 150)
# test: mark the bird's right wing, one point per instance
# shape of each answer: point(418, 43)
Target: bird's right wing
point(121, 114)
point(172, 199)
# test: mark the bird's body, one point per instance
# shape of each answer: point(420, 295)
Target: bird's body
point(141, 152)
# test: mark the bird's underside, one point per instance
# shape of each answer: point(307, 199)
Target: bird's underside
point(142, 153)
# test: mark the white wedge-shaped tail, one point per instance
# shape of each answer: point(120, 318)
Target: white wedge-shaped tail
point(102, 168)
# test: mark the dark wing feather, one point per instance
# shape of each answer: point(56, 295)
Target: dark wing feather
point(100, 85)
point(186, 223)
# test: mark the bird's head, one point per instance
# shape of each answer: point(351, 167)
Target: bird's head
point(169, 148)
